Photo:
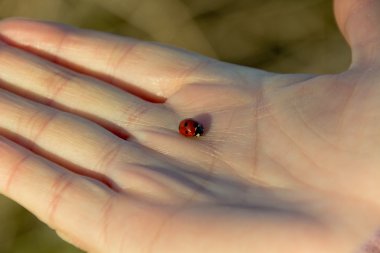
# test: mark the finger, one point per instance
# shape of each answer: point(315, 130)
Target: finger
point(63, 137)
point(359, 22)
point(67, 202)
point(145, 69)
point(51, 84)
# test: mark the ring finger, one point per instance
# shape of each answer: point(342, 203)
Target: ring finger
point(67, 139)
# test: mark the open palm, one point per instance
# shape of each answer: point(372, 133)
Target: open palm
point(91, 144)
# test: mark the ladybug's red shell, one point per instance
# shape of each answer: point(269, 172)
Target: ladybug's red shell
point(190, 128)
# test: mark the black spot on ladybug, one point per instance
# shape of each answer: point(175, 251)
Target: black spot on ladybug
point(190, 128)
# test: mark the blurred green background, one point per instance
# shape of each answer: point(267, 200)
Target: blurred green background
point(275, 35)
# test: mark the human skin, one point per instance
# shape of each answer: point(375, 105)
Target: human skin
point(288, 163)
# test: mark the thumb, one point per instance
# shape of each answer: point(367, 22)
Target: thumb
point(359, 21)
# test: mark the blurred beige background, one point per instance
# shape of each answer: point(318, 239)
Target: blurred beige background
point(275, 35)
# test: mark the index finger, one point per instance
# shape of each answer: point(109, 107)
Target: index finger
point(143, 68)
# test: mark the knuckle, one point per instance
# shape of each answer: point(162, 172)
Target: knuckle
point(58, 189)
point(135, 115)
point(56, 82)
point(104, 222)
point(118, 56)
point(38, 123)
point(14, 171)
point(108, 156)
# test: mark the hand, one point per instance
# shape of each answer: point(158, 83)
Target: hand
point(90, 144)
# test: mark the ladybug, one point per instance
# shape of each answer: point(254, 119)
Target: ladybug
point(190, 128)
